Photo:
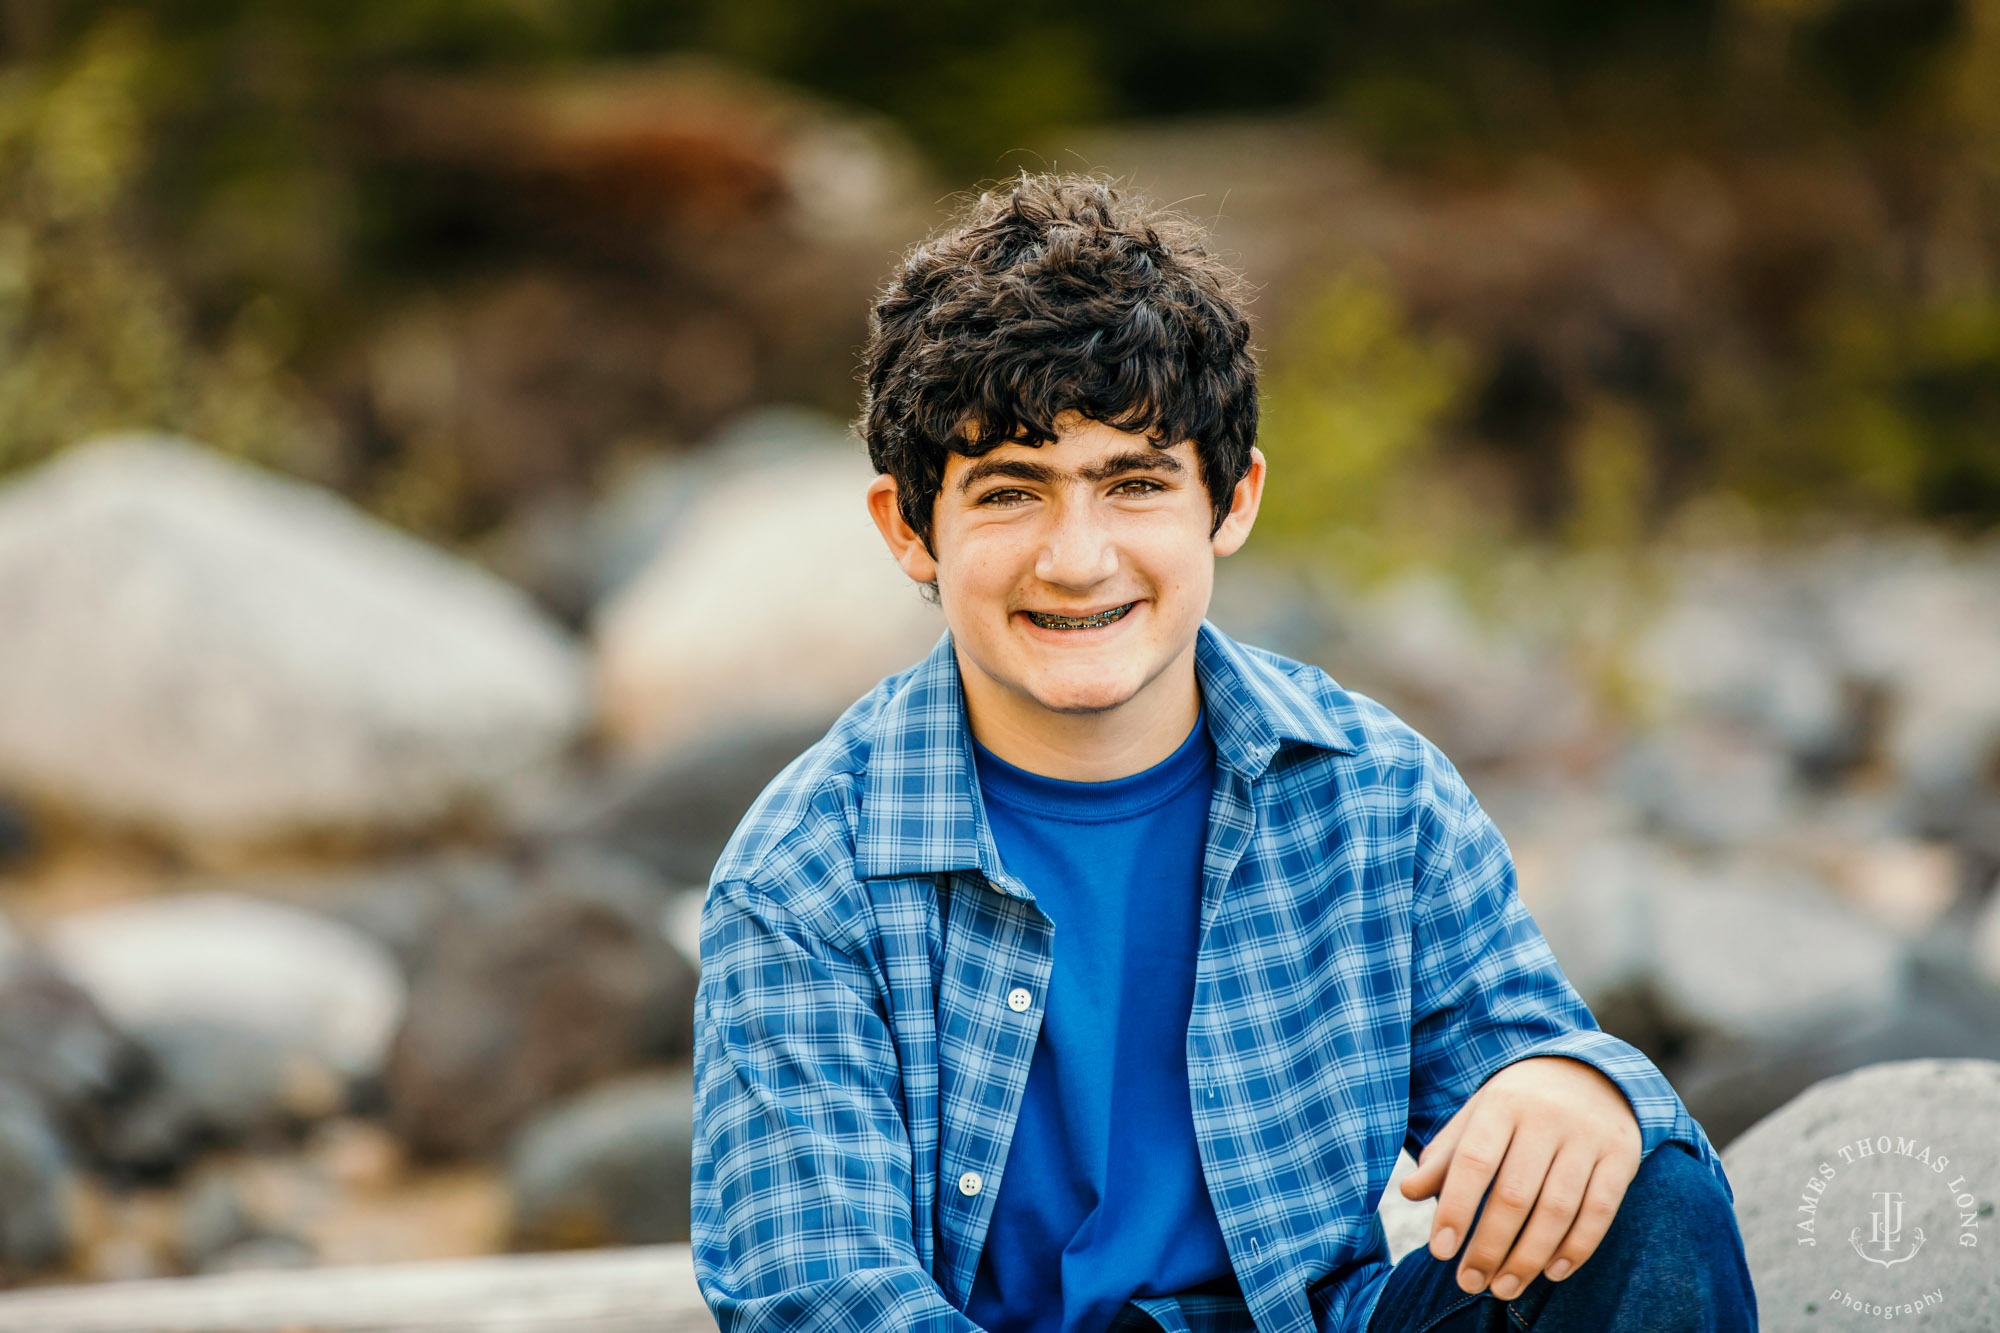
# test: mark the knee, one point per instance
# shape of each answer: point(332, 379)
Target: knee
point(1673, 1181)
point(1672, 1258)
point(1675, 1216)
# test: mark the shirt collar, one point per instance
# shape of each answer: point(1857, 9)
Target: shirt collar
point(919, 810)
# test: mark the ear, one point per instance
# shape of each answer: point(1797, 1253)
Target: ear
point(1243, 502)
point(903, 541)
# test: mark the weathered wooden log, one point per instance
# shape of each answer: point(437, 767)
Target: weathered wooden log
point(645, 1289)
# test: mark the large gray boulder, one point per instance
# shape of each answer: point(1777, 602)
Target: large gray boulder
point(215, 1084)
point(1869, 1199)
point(573, 554)
point(223, 656)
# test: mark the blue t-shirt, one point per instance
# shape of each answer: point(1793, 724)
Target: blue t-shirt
point(1103, 1197)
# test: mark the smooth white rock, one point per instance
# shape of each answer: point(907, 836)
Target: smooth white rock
point(227, 656)
point(318, 987)
point(1407, 1223)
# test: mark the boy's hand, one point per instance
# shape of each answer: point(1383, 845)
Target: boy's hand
point(1550, 1134)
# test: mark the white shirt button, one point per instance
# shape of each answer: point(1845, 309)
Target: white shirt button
point(970, 1184)
point(1018, 1000)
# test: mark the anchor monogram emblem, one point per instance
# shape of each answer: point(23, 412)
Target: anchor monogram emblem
point(1886, 1232)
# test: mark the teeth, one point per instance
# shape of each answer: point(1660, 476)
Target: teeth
point(1079, 622)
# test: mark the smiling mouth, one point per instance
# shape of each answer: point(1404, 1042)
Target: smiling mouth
point(1080, 622)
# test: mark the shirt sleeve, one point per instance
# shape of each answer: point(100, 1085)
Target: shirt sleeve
point(1486, 991)
point(802, 1164)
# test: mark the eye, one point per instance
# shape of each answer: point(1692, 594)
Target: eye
point(1148, 486)
point(1001, 497)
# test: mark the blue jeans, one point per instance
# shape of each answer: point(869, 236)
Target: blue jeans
point(1671, 1262)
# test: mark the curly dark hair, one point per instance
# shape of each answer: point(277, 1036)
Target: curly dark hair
point(1055, 293)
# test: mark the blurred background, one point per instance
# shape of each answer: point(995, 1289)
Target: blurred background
point(427, 519)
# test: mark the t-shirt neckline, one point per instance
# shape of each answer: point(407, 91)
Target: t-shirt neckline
point(1096, 802)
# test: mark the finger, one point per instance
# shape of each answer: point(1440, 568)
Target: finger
point(1476, 1157)
point(1429, 1174)
point(1516, 1186)
point(1555, 1209)
point(1612, 1173)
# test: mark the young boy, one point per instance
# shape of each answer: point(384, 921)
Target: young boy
point(1091, 972)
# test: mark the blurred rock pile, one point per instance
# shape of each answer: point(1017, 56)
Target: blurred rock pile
point(1755, 809)
point(349, 902)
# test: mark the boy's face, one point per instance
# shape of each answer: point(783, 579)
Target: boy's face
point(1073, 575)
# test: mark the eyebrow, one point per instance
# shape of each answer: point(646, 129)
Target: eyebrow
point(1023, 469)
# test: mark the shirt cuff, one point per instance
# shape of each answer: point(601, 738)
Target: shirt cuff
point(1657, 1107)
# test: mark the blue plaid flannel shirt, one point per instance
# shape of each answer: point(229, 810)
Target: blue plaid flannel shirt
point(1365, 965)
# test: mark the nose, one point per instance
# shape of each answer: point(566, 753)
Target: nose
point(1078, 550)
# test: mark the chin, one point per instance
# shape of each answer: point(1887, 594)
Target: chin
point(1082, 696)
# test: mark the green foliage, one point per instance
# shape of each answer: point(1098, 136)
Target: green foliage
point(1897, 412)
point(973, 82)
point(1610, 466)
point(93, 336)
point(1354, 400)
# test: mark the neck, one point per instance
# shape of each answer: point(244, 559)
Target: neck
point(1085, 747)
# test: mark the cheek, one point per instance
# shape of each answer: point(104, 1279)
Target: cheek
point(990, 556)
point(1173, 565)
point(977, 575)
